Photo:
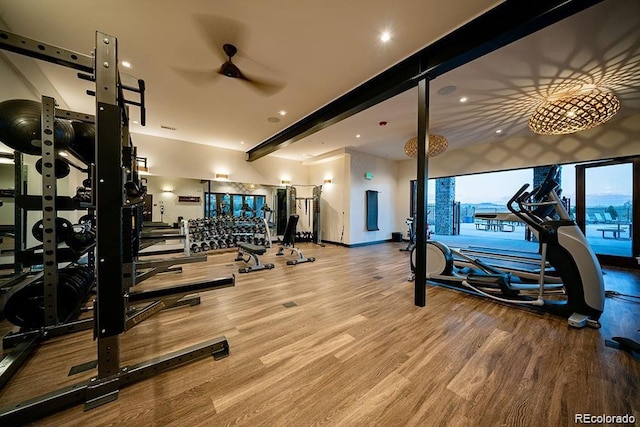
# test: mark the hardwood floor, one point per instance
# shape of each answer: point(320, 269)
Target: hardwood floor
point(339, 342)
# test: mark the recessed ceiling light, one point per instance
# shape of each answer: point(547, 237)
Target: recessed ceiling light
point(464, 99)
point(282, 113)
point(499, 131)
point(242, 142)
point(358, 136)
point(126, 64)
point(385, 36)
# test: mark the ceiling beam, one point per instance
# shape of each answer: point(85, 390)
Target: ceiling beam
point(506, 23)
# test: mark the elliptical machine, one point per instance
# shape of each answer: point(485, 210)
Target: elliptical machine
point(579, 297)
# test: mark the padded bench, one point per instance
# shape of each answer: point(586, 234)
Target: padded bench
point(288, 242)
point(252, 251)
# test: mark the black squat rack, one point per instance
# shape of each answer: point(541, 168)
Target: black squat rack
point(115, 200)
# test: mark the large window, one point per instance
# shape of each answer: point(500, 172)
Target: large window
point(599, 196)
point(238, 205)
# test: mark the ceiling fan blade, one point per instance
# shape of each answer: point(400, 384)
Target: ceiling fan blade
point(197, 77)
point(217, 30)
point(263, 86)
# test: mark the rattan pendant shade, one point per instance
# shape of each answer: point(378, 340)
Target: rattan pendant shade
point(574, 113)
point(438, 144)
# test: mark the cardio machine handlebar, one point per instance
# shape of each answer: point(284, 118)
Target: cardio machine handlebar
point(519, 199)
point(530, 204)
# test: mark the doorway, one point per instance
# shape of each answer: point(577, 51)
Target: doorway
point(605, 209)
point(147, 210)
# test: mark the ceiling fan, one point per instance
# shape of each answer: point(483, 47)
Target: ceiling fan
point(219, 31)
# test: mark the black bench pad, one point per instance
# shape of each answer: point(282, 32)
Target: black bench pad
point(251, 248)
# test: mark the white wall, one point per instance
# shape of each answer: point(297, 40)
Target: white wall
point(175, 187)
point(168, 157)
point(384, 182)
point(334, 205)
point(13, 85)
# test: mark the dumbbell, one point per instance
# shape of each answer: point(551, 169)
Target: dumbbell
point(82, 195)
point(81, 237)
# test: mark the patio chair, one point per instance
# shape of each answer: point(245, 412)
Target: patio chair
point(589, 219)
point(607, 218)
point(598, 217)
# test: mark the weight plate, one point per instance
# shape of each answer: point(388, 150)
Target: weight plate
point(64, 228)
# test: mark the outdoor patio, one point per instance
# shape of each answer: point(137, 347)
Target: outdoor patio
point(607, 242)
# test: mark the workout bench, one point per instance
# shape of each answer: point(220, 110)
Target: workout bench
point(288, 241)
point(252, 251)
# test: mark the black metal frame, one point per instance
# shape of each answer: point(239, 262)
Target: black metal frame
point(632, 261)
point(506, 23)
point(115, 274)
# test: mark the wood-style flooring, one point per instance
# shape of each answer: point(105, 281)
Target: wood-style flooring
point(339, 342)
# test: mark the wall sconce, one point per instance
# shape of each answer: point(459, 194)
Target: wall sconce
point(167, 190)
point(141, 162)
point(328, 181)
point(285, 181)
point(222, 176)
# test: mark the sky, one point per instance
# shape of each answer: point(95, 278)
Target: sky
point(498, 187)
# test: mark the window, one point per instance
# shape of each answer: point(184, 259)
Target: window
point(247, 205)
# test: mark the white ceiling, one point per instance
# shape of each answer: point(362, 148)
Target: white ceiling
point(316, 51)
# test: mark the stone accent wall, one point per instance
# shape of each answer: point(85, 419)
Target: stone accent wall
point(445, 196)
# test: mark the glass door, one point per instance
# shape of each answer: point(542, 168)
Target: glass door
point(605, 209)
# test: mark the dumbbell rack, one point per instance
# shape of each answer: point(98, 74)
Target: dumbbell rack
point(210, 234)
point(113, 295)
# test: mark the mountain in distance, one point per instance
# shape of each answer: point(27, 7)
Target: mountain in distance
point(607, 199)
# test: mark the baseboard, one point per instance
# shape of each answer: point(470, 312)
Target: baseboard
point(357, 245)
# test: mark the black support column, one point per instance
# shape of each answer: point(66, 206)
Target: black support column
point(49, 213)
point(109, 199)
point(420, 290)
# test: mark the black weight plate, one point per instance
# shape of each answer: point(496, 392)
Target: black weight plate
point(64, 228)
point(20, 127)
point(84, 142)
point(62, 168)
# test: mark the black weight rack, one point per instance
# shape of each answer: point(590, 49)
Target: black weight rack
point(115, 269)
